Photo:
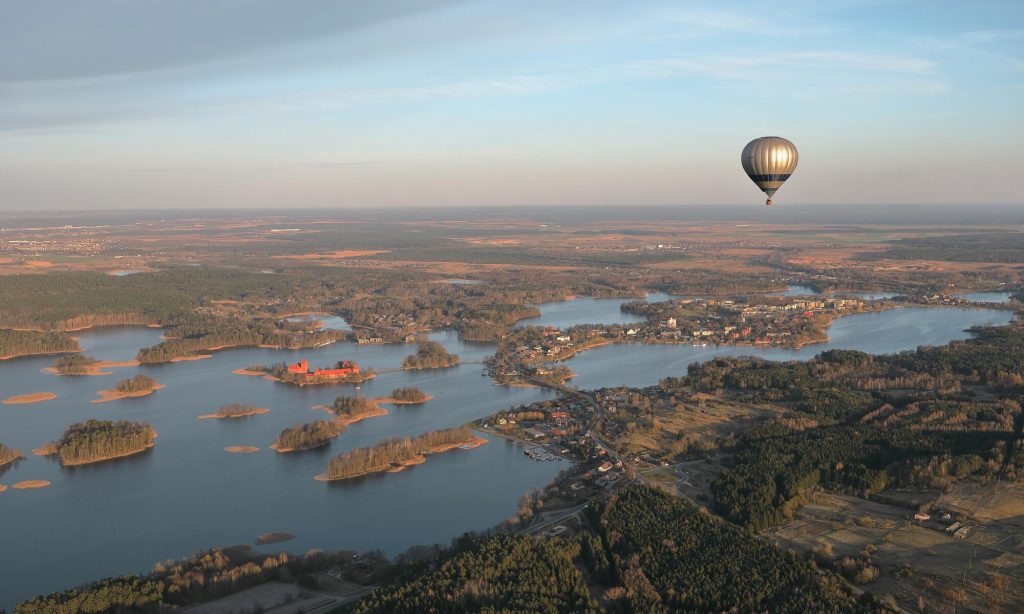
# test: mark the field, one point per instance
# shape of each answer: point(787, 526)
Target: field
point(921, 561)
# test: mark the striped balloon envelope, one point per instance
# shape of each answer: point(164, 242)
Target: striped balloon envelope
point(769, 161)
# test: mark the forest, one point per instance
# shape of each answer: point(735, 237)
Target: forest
point(65, 301)
point(983, 247)
point(203, 577)
point(430, 355)
point(861, 423)
point(394, 452)
point(97, 440)
point(501, 574)
point(672, 557)
point(26, 342)
point(192, 333)
point(308, 435)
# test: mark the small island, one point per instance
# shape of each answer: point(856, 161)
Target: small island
point(408, 396)
point(94, 441)
point(235, 410)
point(30, 484)
point(301, 374)
point(273, 538)
point(430, 355)
point(307, 436)
point(9, 456)
point(241, 449)
point(349, 410)
point(77, 364)
point(394, 455)
point(138, 386)
point(35, 397)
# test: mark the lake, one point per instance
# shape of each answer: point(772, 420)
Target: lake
point(987, 297)
point(187, 494)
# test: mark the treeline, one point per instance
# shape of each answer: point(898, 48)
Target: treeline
point(204, 577)
point(308, 436)
point(9, 455)
point(409, 395)
point(394, 452)
point(71, 300)
point(139, 383)
point(981, 247)
point(430, 355)
point(96, 440)
point(196, 332)
point(672, 557)
point(26, 342)
point(74, 364)
point(237, 410)
point(501, 574)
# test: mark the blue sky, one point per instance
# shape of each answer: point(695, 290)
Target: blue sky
point(117, 104)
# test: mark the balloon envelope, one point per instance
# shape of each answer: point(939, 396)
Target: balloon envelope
point(769, 161)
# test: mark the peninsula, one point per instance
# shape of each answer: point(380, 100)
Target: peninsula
point(394, 455)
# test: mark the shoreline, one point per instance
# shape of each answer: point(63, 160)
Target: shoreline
point(109, 457)
point(31, 354)
point(27, 399)
point(419, 459)
point(113, 395)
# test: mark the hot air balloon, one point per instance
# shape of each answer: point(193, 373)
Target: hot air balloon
point(769, 161)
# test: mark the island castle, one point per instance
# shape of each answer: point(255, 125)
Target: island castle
point(345, 368)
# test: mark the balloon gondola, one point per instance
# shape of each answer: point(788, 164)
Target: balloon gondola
point(769, 161)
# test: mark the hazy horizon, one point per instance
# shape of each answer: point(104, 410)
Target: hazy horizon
point(111, 105)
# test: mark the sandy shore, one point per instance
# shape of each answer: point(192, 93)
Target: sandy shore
point(106, 458)
point(256, 411)
point(113, 395)
point(27, 484)
point(241, 449)
point(3, 487)
point(248, 372)
point(420, 458)
point(35, 397)
point(191, 357)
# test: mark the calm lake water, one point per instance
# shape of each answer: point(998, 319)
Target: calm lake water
point(987, 297)
point(187, 494)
